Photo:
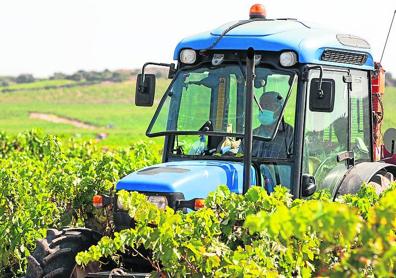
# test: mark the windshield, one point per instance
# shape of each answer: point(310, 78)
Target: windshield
point(213, 99)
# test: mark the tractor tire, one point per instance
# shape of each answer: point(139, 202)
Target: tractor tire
point(382, 181)
point(54, 255)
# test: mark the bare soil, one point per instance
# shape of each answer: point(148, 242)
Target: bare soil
point(60, 120)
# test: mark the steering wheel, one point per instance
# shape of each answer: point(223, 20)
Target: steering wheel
point(323, 166)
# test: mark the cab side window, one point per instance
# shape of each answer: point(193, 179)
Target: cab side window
point(360, 116)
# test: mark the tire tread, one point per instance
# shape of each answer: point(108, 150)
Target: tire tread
point(54, 256)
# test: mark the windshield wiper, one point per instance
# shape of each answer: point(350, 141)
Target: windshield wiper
point(288, 147)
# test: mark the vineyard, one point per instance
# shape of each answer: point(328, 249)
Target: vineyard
point(106, 106)
point(257, 235)
point(48, 183)
point(265, 147)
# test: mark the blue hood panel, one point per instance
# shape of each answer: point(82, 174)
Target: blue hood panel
point(193, 178)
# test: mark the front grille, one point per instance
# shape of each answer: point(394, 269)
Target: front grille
point(344, 57)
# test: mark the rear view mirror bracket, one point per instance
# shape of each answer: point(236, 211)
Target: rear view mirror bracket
point(172, 68)
point(320, 90)
point(145, 84)
point(348, 79)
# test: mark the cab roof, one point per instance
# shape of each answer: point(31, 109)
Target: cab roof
point(309, 42)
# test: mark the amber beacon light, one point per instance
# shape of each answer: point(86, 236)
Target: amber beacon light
point(257, 11)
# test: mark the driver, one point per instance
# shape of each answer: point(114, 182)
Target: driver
point(271, 104)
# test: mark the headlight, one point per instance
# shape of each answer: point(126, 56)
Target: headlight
point(188, 56)
point(288, 59)
point(160, 201)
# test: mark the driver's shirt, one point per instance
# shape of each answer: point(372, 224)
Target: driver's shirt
point(276, 148)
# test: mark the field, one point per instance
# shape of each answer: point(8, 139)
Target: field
point(107, 106)
point(389, 106)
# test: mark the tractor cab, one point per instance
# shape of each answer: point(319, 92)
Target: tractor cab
point(204, 112)
point(264, 102)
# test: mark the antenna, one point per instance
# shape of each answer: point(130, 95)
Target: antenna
point(387, 37)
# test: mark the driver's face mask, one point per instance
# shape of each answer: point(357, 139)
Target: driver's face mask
point(266, 117)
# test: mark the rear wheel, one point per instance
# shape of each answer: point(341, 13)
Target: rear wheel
point(381, 181)
point(55, 255)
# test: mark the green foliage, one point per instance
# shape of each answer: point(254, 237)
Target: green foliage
point(261, 235)
point(363, 200)
point(45, 183)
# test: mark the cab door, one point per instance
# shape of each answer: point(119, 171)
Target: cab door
point(326, 133)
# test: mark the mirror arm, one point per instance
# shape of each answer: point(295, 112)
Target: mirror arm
point(320, 91)
point(171, 66)
point(348, 79)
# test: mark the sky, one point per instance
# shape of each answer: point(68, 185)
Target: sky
point(46, 36)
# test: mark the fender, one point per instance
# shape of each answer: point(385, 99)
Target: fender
point(359, 174)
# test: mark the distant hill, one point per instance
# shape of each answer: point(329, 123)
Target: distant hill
point(82, 76)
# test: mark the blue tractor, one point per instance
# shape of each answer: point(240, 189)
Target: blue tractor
point(256, 102)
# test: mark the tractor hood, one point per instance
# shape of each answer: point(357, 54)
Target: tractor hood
point(309, 42)
point(194, 178)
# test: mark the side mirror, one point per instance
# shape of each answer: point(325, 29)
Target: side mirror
point(321, 95)
point(308, 185)
point(145, 90)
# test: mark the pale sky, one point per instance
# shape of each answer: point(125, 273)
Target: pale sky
point(46, 36)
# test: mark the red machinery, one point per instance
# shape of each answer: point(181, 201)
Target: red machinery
point(380, 150)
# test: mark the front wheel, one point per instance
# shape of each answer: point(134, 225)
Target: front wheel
point(55, 255)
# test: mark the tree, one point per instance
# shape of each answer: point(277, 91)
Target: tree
point(4, 83)
point(58, 76)
point(75, 77)
point(119, 76)
point(25, 78)
point(107, 75)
